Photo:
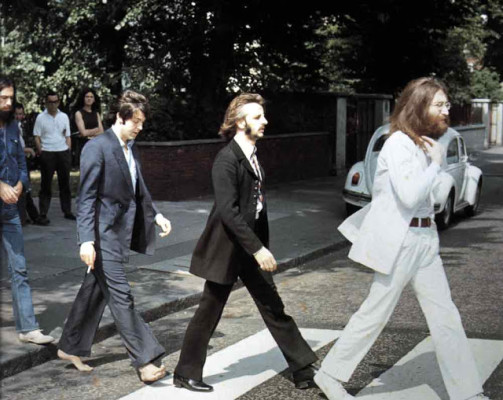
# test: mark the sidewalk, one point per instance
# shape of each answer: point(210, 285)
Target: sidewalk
point(303, 217)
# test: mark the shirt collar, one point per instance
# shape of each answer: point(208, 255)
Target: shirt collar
point(246, 146)
point(47, 112)
point(129, 144)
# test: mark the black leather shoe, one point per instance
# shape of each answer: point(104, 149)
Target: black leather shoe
point(70, 216)
point(304, 378)
point(42, 220)
point(191, 384)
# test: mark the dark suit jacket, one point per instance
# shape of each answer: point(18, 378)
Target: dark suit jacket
point(232, 234)
point(108, 210)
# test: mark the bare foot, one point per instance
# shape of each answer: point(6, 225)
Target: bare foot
point(150, 373)
point(75, 360)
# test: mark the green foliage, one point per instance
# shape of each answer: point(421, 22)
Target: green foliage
point(485, 84)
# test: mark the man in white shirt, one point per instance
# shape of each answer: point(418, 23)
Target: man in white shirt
point(396, 236)
point(53, 143)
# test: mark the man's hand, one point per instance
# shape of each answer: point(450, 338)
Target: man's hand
point(434, 149)
point(88, 254)
point(19, 189)
point(29, 152)
point(164, 224)
point(8, 194)
point(266, 260)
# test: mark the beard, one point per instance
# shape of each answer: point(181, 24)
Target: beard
point(437, 126)
point(5, 116)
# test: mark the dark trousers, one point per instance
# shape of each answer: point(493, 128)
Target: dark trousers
point(261, 287)
point(107, 284)
point(27, 206)
point(59, 162)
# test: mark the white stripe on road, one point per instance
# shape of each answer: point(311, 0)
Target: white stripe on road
point(417, 375)
point(236, 369)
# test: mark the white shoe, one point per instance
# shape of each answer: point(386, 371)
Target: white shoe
point(331, 387)
point(480, 397)
point(36, 337)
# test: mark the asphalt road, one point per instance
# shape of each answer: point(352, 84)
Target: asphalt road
point(321, 295)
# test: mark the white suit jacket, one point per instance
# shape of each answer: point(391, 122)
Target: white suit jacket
point(404, 179)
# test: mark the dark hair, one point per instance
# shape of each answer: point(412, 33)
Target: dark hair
point(235, 112)
point(51, 93)
point(411, 110)
point(79, 102)
point(6, 82)
point(18, 105)
point(128, 103)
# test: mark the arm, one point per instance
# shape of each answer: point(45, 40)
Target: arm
point(79, 121)
point(37, 131)
point(91, 165)
point(411, 185)
point(100, 125)
point(225, 186)
point(23, 170)
point(68, 132)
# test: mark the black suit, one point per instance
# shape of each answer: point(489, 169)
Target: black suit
point(223, 253)
point(116, 218)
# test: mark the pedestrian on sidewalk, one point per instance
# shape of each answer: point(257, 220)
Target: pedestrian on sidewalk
point(396, 236)
point(26, 203)
point(235, 244)
point(53, 143)
point(13, 178)
point(115, 214)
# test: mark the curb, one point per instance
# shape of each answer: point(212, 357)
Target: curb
point(48, 353)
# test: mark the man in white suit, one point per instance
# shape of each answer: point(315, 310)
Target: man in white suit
point(396, 236)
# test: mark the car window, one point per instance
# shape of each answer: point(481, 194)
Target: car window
point(462, 147)
point(453, 152)
point(380, 142)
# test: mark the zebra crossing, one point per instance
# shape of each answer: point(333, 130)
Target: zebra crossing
point(252, 361)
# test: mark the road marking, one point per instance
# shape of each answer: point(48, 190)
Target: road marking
point(236, 369)
point(417, 375)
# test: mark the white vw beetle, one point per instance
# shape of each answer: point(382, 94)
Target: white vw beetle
point(458, 186)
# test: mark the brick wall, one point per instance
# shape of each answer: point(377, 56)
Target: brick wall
point(182, 170)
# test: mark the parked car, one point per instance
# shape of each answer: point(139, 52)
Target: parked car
point(458, 186)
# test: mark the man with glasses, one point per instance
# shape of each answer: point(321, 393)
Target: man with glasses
point(395, 235)
point(53, 143)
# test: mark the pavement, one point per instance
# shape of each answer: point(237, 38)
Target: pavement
point(303, 217)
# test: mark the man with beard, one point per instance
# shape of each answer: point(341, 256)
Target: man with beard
point(234, 244)
point(13, 178)
point(396, 236)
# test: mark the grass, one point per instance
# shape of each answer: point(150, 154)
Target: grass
point(35, 183)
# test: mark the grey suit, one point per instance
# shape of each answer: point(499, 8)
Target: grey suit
point(116, 218)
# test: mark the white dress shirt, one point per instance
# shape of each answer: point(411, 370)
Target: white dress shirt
point(249, 150)
point(53, 131)
point(128, 155)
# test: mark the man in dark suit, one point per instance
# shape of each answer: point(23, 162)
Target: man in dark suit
point(234, 244)
point(115, 214)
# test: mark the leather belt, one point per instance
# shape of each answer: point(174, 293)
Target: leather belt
point(420, 222)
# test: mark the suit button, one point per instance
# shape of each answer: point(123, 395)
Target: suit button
point(120, 205)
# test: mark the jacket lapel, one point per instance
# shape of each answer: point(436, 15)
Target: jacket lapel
point(242, 158)
point(121, 160)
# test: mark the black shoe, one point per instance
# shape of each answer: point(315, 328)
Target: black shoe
point(303, 378)
point(191, 384)
point(70, 216)
point(42, 220)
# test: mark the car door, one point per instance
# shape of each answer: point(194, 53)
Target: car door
point(463, 161)
point(455, 168)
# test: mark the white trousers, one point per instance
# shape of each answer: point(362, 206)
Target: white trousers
point(420, 264)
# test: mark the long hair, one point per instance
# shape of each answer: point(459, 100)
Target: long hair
point(79, 103)
point(411, 110)
point(127, 104)
point(235, 112)
point(6, 82)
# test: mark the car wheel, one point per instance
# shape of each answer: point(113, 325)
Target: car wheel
point(472, 210)
point(351, 209)
point(443, 219)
